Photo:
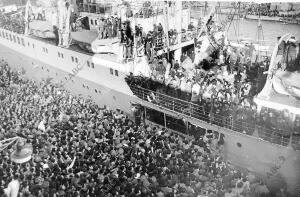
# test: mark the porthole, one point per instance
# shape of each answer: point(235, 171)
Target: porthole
point(239, 145)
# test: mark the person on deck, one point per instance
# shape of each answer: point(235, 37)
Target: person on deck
point(101, 29)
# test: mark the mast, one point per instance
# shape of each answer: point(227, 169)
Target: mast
point(260, 36)
point(28, 5)
point(178, 17)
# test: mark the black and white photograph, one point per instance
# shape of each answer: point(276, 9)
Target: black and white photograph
point(158, 98)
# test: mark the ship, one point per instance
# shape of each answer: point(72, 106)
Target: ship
point(100, 71)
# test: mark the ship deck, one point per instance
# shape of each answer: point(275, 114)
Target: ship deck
point(74, 47)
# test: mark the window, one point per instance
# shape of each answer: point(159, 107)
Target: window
point(111, 71)
point(72, 58)
point(60, 55)
point(76, 60)
point(92, 22)
point(96, 22)
point(116, 73)
point(23, 43)
point(96, 91)
point(93, 66)
point(83, 85)
point(88, 63)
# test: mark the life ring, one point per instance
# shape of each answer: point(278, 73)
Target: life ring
point(151, 97)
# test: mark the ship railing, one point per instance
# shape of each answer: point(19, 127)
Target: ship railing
point(199, 112)
point(161, 41)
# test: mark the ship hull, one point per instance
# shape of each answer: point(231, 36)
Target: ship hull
point(254, 154)
point(100, 94)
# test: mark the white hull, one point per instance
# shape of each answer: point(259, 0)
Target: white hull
point(254, 154)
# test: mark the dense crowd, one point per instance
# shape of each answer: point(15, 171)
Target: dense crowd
point(80, 149)
point(223, 87)
point(261, 9)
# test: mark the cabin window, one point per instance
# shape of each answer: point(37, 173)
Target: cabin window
point(83, 85)
point(23, 43)
point(88, 63)
point(116, 73)
point(111, 71)
point(96, 22)
point(72, 58)
point(32, 45)
point(96, 91)
point(58, 54)
point(76, 60)
point(92, 22)
point(62, 55)
point(93, 66)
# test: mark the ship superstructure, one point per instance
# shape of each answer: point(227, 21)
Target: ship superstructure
point(100, 68)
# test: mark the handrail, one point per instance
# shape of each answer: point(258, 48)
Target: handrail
point(197, 111)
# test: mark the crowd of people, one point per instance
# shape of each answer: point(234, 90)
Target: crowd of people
point(224, 85)
point(80, 149)
point(261, 9)
point(108, 27)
